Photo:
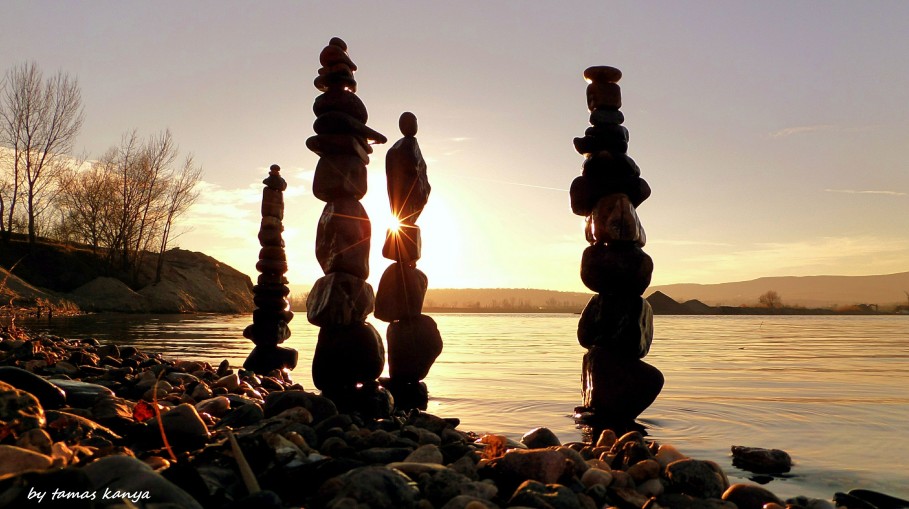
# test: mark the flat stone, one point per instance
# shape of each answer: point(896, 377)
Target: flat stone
point(590, 144)
point(601, 116)
point(543, 465)
point(264, 359)
point(413, 346)
point(602, 74)
point(338, 299)
point(611, 131)
point(335, 54)
point(339, 176)
point(623, 324)
point(614, 219)
point(19, 409)
point(703, 479)
point(760, 460)
point(604, 95)
point(216, 406)
point(134, 477)
point(342, 238)
point(617, 387)
point(585, 191)
point(16, 460)
point(376, 487)
point(347, 355)
point(532, 493)
point(428, 453)
point(407, 182)
point(339, 144)
point(749, 496)
point(182, 425)
point(616, 268)
point(271, 266)
point(343, 101)
point(407, 123)
point(335, 122)
point(539, 438)
point(74, 428)
point(404, 244)
point(607, 166)
point(401, 293)
point(48, 394)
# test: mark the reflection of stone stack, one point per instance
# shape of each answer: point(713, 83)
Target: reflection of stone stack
point(349, 354)
point(272, 314)
point(617, 325)
point(414, 341)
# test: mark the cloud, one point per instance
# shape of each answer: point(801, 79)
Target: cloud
point(790, 131)
point(854, 191)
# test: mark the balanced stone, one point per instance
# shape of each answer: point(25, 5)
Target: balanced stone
point(335, 122)
point(407, 123)
point(408, 185)
point(585, 192)
point(339, 176)
point(602, 74)
point(335, 78)
point(620, 386)
point(343, 101)
point(621, 268)
point(591, 144)
point(342, 238)
point(621, 324)
point(602, 116)
point(606, 166)
point(332, 144)
point(272, 203)
point(413, 345)
point(347, 356)
point(614, 219)
point(271, 266)
point(401, 292)
point(604, 95)
point(614, 131)
point(264, 359)
point(339, 298)
point(272, 253)
point(403, 244)
point(267, 332)
point(333, 54)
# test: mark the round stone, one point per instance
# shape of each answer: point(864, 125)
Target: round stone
point(337, 41)
point(408, 124)
point(602, 74)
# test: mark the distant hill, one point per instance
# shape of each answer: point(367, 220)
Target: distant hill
point(505, 299)
point(809, 291)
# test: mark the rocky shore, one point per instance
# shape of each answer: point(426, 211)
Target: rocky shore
point(90, 425)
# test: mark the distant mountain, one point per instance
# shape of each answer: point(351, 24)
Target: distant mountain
point(809, 291)
point(505, 299)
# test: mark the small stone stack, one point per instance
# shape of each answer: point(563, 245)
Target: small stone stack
point(617, 325)
point(414, 340)
point(350, 354)
point(272, 313)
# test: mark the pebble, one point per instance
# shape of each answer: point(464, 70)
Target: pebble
point(48, 394)
point(19, 409)
point(16, 460)
point(539, 438)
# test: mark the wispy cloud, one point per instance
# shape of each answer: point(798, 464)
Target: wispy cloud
point(790, 131)
point(855, 191)
point(459, 139)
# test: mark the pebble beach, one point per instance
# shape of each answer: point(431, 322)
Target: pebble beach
point(90, 425)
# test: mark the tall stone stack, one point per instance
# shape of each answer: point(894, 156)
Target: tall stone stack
point(350, 354)
point(616, 327)
point(414, 340)
point(272, 313)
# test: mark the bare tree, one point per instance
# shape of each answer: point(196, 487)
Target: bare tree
point(771, 299)
point(39, 120)
point(182, 192)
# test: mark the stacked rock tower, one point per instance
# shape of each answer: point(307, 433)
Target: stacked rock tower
point(272, 313)
point(349, 354)
point(414, 340)
point(616, 327)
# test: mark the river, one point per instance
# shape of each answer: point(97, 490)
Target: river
point(833, 391)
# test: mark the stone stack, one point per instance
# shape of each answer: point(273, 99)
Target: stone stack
point(272, 313)
point(617, 325)
point(414, 340)
point(350, 354)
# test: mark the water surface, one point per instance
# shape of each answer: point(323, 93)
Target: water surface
point(830, 390)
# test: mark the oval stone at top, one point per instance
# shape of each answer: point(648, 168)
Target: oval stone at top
point(602, 74)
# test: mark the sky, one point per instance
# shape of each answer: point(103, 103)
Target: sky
point(773, 134)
